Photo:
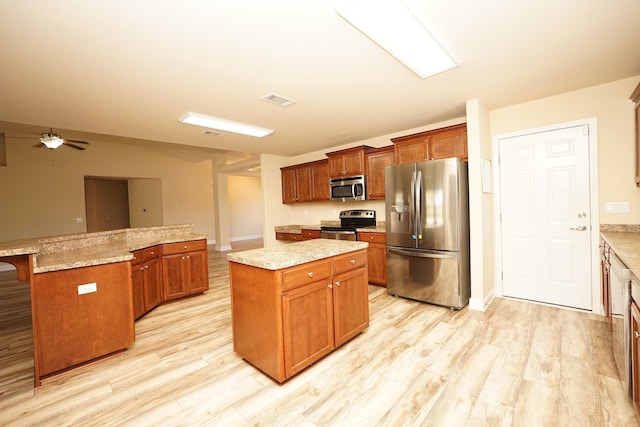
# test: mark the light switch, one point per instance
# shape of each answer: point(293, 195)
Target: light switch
point(87, 288)
point(79, 219)
point(616, 207)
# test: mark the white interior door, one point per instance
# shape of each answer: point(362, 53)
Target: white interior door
point(545, 207)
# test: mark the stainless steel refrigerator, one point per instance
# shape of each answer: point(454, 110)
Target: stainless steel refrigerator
point(427, 221)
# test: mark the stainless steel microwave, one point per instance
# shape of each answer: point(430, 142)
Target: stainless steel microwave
point(348, 189)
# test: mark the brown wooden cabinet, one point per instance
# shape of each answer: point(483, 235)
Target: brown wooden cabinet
point(305, 182)
point(635, 97)
point(80, 314)
point(284, 320)
point(435, 144)
point(377, 253)
point(319, 180)
point(375, 162)
point(147, 280)
point(348, 162)
point(185, 268)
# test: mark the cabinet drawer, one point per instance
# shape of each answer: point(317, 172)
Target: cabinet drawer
point(137, 257)
point(306, 273)
point(310, 234)
point(372, 237)
point(150, 253)
point(288, 236)
point(182, 247)
point(349, 261)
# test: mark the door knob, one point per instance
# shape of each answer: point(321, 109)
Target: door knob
point(580, 228)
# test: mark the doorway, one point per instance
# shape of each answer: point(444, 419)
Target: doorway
point(547, 211)
point(106, 204)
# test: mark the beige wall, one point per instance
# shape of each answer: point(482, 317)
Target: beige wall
point(42, 190)
point(245, 204)
point(614, 112)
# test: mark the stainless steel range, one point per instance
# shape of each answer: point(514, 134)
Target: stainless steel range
point(350, 221)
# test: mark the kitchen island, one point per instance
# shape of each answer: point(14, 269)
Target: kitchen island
point(82, 290)
point(293, 304)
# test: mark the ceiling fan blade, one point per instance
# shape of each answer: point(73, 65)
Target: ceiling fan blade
point(39, 145)
point(69, 144)
point(76, 141)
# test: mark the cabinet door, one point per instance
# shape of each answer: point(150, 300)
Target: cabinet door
point(448, 143)
point(288, 185)
point(174, 283)
point(635, 354)
point(350, 304)
point(410, 151)
point(137, 281)
point(197, 272)
point(354, 163)
point(303, 184)
point(336, 166)
point(152, 284)
point(375, 164)
point(320, 181)
point(307, 318)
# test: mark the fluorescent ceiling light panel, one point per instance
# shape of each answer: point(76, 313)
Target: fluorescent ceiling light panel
point(391, 25)
point(226, 125)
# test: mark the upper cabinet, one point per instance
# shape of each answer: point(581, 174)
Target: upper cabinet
point(305, 182)
point(375, 162)
point(347, 162)
point(441, 143)
point(635, 97)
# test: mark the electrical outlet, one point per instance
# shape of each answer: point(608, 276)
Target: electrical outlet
point(79, 219)
point(87, 288)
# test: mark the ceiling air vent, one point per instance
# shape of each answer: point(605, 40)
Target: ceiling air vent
point(278, 100)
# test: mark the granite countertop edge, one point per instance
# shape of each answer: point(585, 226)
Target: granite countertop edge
point(626, 246)
point(59, 253)
point(292, 254)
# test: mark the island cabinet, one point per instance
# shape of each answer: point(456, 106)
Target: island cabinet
point(435, 144)
point(79, 315)
point(377, 253)
point(184, 268)
point(284, 320)
point(348, 162)
point(147, 280)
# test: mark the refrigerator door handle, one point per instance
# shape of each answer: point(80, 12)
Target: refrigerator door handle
point(418, 204)
point(422, 253)
point(412, 206)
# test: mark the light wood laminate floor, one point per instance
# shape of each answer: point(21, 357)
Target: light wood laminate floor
point(517, 364)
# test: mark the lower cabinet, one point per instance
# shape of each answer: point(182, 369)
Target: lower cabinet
point(377, 253)
point(184, 268)
point(79, 315)
point(146, 280)
point(284, 320)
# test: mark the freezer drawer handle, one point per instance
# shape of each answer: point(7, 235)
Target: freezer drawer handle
point(422, 254)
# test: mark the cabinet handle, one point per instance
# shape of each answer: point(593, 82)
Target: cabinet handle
point(636, 334)
point(353, 261)
point(337, 283)
point(185, 246)
point(330, 286)
point(310, 274)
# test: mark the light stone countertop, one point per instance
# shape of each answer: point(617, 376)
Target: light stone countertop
point(297, 229)
point(626, 246)
point(283, 256)
point(88, 249)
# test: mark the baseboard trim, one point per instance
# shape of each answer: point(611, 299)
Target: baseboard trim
point(479, 304)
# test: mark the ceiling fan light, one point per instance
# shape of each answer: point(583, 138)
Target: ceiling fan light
point(51, 140)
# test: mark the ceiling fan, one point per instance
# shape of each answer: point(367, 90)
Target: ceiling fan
point(53, 141)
